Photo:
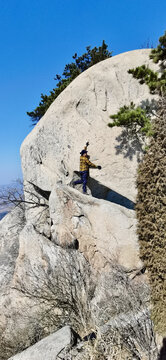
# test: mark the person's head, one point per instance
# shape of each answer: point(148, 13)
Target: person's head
point(83, 153)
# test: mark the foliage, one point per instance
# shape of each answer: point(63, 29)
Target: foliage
point(150, 208)
point(151, 199)
point(156, 81)
point(159, 54)
point(71, 71)
point(133, 118)
point(112, 306)
point(137, 120)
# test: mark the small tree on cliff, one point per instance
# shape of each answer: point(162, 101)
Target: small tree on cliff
point(156, 81)
point(137, 120)
point(71, 71)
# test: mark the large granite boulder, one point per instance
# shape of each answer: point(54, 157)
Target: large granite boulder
point(53, 259)
point(92, 223)
point(50, 157)
point(50, 153)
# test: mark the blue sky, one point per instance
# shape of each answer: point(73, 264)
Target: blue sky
point(38, 38)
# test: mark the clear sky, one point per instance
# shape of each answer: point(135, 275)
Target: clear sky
point(37, 39)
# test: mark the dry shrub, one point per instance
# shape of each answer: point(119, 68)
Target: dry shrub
point(151, 214)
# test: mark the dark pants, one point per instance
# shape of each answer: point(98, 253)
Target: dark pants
point(83, 180)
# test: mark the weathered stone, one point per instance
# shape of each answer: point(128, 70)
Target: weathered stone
point(45, 277)
point(45, 281)
point(10, 228)
point(81, 112)
point(50, 347)
point(104, 228)
point(105, 231)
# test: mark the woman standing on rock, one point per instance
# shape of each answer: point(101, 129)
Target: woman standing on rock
point(85, 164)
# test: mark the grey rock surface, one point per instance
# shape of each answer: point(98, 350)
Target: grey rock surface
point(50, 153)
point(66, 239)
point(10, 228)
point(50, 156)
point(50, 347)
point(50, 286)
point(105, 231)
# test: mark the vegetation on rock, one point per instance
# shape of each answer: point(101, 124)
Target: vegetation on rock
point(71, 71)
point(150, 209)
point(159, 54)
point(138, 119)
point(151, 180)
point(112, 306)
point(151, 198)
point(155, 81)
point(135, 119)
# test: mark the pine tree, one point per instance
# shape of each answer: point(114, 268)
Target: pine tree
point(155, 81)
point(159, 54)
point(71, 71)
point(134, 119)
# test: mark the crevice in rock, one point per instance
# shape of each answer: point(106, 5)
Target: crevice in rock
point(64, 169)
point(94, 90)
point(120, 84)
point(105, 105)
point(137, 272)
point(73, 245)
point(44, 193)
point(78, 103)
point(42, 233)
point(79, 216)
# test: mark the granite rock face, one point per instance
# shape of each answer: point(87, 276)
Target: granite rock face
point(50, 347)
point(50, 153)
point(92, 222)
point(50, 157)
point(10, 228)
point(54, 258)
point(49, 286)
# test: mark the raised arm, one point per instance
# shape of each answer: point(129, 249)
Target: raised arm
point(87, 144)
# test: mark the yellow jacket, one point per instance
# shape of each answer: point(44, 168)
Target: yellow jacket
point(85, 164)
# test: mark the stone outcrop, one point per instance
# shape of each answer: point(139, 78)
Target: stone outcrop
point(54, 259)
point(50, 347)
point(50, 155)
point(65, 344)
point(10, 228)
point(92, 222)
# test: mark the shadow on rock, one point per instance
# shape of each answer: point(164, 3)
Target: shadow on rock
point(131, 142)
point(162, 355)
point(101, 191)
point(150, 106)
